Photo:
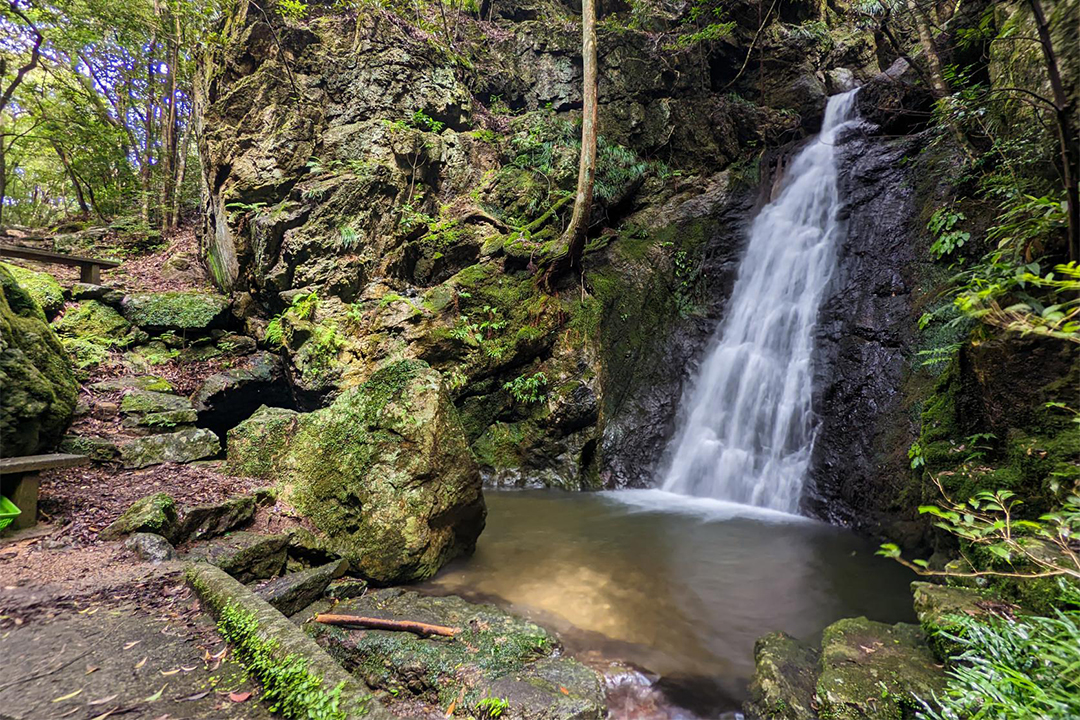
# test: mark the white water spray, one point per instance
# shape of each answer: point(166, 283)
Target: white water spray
point(749, 429)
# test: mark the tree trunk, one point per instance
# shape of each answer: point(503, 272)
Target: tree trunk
point(83, 207)
point(169, 137)
point(3, 172)
point(926, 39)
point(181, 170)
point(148, 129)
point(1067, 140)
point(579, 221)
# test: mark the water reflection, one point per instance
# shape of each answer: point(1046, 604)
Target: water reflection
point(677, 586)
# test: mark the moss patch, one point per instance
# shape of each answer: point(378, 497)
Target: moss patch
point(178, 310)
point(42, 287)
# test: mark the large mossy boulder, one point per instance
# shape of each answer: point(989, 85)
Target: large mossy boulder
point(39, 390)
point(43, 287)
point(385, 472)
point(493, 655)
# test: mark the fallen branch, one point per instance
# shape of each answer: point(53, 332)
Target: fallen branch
point(382, 624)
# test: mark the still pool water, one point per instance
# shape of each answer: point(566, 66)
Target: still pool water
point(678, 586)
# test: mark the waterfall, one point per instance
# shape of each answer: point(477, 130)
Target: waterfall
point(748, 429)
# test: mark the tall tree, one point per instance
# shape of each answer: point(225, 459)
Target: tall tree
point(575, 235)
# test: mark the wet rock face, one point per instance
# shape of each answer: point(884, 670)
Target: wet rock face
point(864, 341)
point(39, 390)
point(494, 655)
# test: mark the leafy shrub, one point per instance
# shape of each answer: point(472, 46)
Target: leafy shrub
point(528, 389)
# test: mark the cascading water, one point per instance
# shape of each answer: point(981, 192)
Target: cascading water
point(749, 428)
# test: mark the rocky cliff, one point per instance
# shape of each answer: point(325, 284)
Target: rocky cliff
point(382, 186)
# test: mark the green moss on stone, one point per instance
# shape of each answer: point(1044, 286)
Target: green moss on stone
point(39, 390)
point(178, 310)
point(152, 514)
point(42, 287)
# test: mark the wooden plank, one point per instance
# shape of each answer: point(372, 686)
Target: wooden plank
point(33, 463)
point(26, 253)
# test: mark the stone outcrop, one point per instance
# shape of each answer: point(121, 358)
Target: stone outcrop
point(384, 472)
point(362, 215)
point(494, 655)
point(39, 389)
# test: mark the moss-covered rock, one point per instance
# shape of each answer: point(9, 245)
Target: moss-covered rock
point(386, 473)
point(152, 514)
point(205, 521)
point(151, 383)
point(92, 319)
point(39, 390)
point(148, 401)
point(178, 447)
point(175, 310)
point(874, 671)
point(937, 607)
point(42, 287)
point(255, 445)
point(785, 679)
point(494, 654)
point(247, 556)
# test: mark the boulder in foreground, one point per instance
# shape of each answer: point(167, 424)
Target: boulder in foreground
point(38, 381)
point(385, 472)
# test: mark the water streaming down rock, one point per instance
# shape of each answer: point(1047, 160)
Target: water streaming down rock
point(748, 429)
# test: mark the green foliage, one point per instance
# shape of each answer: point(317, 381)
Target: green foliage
point(492, 707)
point(279, 329)
point(948, 238)
point(1014, 668)
point(348, 238)
point(1007, 544)
point(291, 10)
point(528, 389)
point(290, 688)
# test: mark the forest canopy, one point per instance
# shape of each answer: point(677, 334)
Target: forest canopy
point(96, 105)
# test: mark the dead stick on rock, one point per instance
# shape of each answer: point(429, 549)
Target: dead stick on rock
point(382, 624)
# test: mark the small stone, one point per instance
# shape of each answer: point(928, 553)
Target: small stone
point(97, 449)
point(292, 593)
point(150, 547)
point(151, 514)
point(247, 556)
point(180, 447)
point(204, 521)
point(346, 588)
point(785, 675)
point(105, 410)
point(146, 401)
point(88, 291)
point(151, 383)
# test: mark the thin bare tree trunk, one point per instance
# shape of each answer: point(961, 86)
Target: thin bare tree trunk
point(181, 171)
point(579, 221)
point(1067, 140)
point(169, 132)
point(148, 129)
point(71, 176)
point(926, 39)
